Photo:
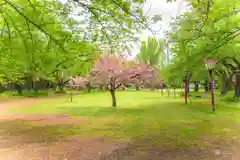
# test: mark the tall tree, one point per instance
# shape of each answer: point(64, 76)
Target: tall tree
point(207, 30)
point(32, 50)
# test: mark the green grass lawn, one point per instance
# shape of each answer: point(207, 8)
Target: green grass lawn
point(141, 115)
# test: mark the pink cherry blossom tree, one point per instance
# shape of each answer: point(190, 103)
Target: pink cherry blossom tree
point(114, 71)
point(78, 82)
point(84, 83)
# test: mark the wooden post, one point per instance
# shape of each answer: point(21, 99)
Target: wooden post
point(185, 91)
point(174, 91)
point(212, 90)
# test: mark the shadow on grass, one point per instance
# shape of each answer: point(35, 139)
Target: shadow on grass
point(36, 133)
point(198, 140)
point(146, 149)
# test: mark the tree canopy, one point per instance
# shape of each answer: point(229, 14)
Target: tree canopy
point(152, 52)
point(53, 40)
point(206, 30)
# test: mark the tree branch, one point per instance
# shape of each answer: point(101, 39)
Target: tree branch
point(131, 77)
point(97, 17)
point(127, 12)
point(8, 27)
point(33, 23)
point(2, 4)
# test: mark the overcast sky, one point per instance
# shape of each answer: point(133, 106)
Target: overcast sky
point(167, 11)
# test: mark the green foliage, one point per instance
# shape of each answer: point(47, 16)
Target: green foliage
point(45, 39)
point(112, 23)
point(207, 30)
point(40, 41)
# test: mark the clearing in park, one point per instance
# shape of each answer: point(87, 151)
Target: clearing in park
point(145, 125)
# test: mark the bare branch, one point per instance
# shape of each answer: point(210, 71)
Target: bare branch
point(91, 9)
point(134, 16)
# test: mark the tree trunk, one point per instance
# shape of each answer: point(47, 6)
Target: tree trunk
point(71, 96)
point(174, 91)
point(19, 88)
point(114, 101)
point(185, 91)
point(196, 87)
point(61, 88)
point(89, 87)
point(225, 86)
point(34, 87)
point(237, 86)
point(101, 88)
point(2, 88)
point(206, 86)
point(137, 87)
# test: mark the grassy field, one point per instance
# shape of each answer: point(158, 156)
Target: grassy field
point(141, 115)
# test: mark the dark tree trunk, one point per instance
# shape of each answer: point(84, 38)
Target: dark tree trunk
point(60, 88)
point(206, 86)
point(137, 87)
point(19, 88)
point(114, 101)
point(101, 88)
point(28, 83)
point(226, 84)
point(2, 88)
point(89, 87)
point(196, 87)
point(34, 87)
point(174, 91)
point(237, 86)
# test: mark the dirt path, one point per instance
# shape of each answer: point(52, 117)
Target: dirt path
point(25, 102)
point(18, 148)
point(79, 148)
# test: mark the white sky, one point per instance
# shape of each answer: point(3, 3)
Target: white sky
point(167, 11)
